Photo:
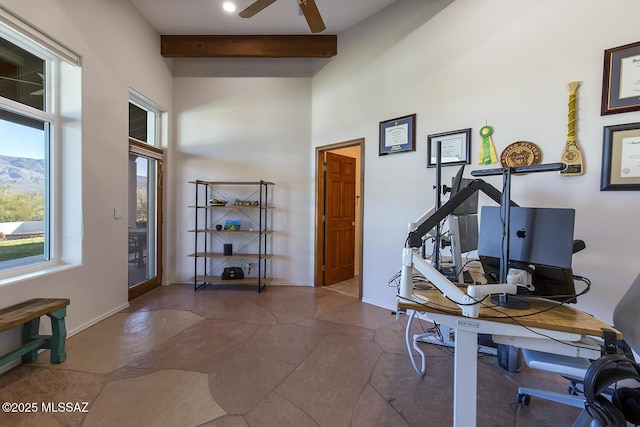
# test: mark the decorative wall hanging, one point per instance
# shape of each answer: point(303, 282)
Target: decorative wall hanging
point(571, 155)
point(398, 135)
point(520, 153)
point(487, 150)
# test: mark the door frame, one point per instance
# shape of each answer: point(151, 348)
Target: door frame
point(158, 155)
point(318, 279)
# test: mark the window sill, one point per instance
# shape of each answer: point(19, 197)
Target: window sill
point(33, 271)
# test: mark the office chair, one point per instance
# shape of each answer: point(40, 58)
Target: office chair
point(607, 389)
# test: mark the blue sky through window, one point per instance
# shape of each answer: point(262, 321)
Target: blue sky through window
point(21, 141)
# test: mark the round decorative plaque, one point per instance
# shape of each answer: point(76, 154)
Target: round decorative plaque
point(520, 153)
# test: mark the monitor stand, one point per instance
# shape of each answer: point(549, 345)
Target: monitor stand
point(508, 301)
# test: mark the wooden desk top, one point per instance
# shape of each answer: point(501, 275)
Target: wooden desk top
point(543, 313)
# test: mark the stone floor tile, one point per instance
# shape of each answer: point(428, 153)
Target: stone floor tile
point(239, 380)
point(164, 398)
point(373, 410)
point(287, 343)
point(43, 390)
point(123, 337)
point(275, 411)
point(328, 383)
point(195, 347)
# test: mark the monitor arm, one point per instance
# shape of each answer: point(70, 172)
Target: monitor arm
point(469, 301)
point(432, 218)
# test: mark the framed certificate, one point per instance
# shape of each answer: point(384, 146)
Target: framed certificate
point(454, 148)
point(398, 135)
point(621, 158)
point(621, 79)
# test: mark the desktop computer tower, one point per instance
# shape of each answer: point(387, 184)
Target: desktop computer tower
point(509, 358)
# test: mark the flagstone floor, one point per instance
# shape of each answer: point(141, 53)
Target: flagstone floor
point(289, 356)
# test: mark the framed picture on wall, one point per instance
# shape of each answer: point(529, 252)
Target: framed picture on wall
point(398, 135)
point(621, 157)
point(621, 79)
point(455, 148)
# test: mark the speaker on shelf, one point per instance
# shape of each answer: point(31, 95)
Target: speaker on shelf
point(227, 249)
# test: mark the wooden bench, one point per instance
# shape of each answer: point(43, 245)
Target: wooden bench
point(28, 315)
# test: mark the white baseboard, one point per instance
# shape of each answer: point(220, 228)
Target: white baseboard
point(96, 320)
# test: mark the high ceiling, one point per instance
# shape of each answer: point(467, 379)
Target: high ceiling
point(282, 17)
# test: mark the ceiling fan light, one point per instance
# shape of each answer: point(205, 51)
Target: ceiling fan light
point(229, 7)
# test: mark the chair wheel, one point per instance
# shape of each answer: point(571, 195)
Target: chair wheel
point(525, 399)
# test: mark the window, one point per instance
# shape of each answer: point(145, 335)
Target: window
point(33, 100)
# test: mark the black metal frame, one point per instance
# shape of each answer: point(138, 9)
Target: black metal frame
point(204, 190)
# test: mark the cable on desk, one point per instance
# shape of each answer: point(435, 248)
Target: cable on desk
point(475, 301)
point(558, 303)
point(418, 280)
point(433, 305)
point(447, 310)
point(515, 320)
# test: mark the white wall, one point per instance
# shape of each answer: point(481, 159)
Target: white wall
point(248, 129)
point(118, 51)
point(501, 62)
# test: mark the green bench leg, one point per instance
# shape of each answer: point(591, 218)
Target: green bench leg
point(55, 342)
point(59, 335)
point(30, 332)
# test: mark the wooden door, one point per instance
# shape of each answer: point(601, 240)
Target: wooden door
point(340, 210)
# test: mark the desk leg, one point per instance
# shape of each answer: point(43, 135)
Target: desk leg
point(465, 379)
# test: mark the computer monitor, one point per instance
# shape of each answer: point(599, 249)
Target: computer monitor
point(463, 226)
point(540, 242)
point(470, 205)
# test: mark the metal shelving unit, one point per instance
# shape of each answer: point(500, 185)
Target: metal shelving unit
point(219, 207)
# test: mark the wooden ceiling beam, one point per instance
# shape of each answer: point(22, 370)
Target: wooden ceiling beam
point(248, 46)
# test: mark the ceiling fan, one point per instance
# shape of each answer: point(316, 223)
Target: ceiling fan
point(309, 9)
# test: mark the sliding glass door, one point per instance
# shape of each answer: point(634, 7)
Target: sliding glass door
point(145, 189)
point(145, 198)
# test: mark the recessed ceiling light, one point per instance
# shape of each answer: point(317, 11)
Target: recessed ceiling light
point(229, 7)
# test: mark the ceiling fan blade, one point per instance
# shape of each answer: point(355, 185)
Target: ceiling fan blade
point(312, 15)
point(255, 7)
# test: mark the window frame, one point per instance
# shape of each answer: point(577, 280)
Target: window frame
point(57, 253)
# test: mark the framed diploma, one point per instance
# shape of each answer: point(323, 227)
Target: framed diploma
point(454, 148)
point(398, 135)
point(621, 158)
point(621, 79)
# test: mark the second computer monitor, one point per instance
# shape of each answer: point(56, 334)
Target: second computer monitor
point(536, 235)
point(540, 242)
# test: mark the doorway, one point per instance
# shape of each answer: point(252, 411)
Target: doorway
point(145, 218)
point(339, 213)
point(147, 129)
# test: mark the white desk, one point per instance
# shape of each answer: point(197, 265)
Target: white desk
point(559, 330)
